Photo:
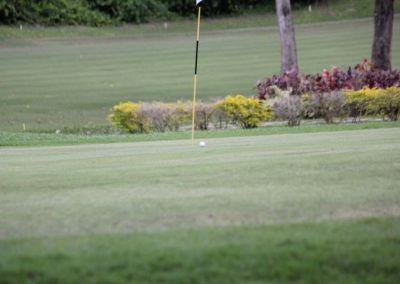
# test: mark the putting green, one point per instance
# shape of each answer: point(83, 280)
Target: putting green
point(146, 186)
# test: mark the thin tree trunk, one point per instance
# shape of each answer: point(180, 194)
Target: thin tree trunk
point(288, 41)
point(383, 22)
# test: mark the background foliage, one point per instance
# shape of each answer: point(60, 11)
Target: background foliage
point(362, 75)
point(100, 12)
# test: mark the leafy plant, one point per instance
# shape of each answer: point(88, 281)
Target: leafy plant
point(212, 8)
point(178, 114)
point(245, 112)
point(203, 115)
point(157, 115)
point(357, 102)
point(62, 12)
point(362, 75)
point(374, 101)
point(219, 119)
point(129, 117)
point(385, 102)
point(290, 108)
point(325, 105)
point(100, 12)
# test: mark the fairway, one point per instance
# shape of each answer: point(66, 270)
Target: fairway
point(307, 208)
point(125, 188)
point(50, 83)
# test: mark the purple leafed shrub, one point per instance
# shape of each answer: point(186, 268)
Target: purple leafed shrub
point(362, 75)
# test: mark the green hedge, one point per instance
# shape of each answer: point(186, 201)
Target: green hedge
point(50, 12)
point(130, 11)
point(101, 12)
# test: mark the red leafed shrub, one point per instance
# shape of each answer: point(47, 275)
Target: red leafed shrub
point(362, 75)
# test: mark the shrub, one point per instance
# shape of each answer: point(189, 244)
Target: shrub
point(129, 117)
point(357, 102)
point(374, 101)
point(212, 8)
point(66, 12)
point(157, 115)
point(131, 11)
point(362, 75)
point(178, 114)
point(219, 118)
point(244, 112)
point(290, 108)
point(325, 105)
point(148, 117)
point(203, 115)
point(385, 102)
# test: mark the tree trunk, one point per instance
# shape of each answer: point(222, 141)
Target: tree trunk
point(381, 48)
point(288, 42)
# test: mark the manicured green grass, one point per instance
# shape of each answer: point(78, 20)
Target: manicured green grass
point(252, 209)
point(46, 139)
point(50, 83)
point(361, 251)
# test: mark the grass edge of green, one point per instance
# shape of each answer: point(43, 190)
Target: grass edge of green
point(15, 139)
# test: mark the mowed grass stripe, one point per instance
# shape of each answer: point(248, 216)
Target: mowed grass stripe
point(116, 59)
point(224, 48)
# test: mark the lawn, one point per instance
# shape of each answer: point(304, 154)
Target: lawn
point(54, 82)
point(85, 136)
point(305, 207)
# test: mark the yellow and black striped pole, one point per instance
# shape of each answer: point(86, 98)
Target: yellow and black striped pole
point(195, 69)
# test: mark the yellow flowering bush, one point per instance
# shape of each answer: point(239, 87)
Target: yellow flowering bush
point(386, 102)
point(374, 101)
point(128, 116)
point(147, 117)
point(357, 101)
point(243, 111)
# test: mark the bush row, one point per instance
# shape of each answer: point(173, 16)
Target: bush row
point(100, 12)
point(362, 75)
point(159, 117)
point(382, 102)
point(61, 12)
point(246, 112)
point(337, 105)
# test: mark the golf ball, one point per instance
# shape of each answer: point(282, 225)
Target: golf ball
point(202, 144)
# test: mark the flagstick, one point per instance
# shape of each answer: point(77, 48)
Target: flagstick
point(195, 73)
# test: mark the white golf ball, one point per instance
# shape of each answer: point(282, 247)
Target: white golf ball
point(202, 144)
